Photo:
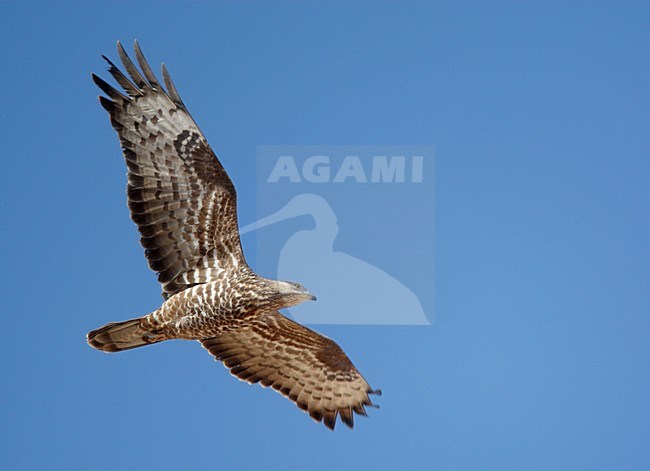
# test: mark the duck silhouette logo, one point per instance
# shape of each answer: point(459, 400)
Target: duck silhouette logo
point(350, 290)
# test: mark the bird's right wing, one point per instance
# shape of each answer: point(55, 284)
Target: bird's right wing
point(180, 197)
point(306, 367)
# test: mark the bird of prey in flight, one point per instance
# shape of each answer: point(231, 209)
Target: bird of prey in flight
point(185, 207)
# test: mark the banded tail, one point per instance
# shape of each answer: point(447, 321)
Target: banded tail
point(118, 336)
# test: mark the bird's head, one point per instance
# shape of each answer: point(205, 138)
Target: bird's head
point(289, 293)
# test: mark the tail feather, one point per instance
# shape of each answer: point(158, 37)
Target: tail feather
point(118, 336)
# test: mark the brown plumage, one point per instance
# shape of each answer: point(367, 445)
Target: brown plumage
point(185, 207)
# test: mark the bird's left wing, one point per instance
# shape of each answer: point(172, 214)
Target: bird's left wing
point(306, 367)
point(180, 197)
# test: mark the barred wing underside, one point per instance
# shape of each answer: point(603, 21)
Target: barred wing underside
point(179, 195)
point(306, 367)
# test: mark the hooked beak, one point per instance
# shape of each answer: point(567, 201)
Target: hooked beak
point(308, 295)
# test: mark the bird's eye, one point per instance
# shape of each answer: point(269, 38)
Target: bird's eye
point(297, 286)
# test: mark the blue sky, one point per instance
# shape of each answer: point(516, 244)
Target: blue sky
point(539, 350)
